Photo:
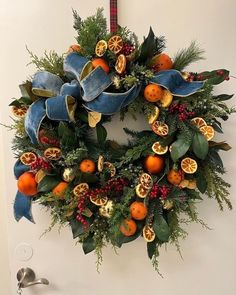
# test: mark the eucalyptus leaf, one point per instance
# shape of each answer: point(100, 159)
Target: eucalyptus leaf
point(161, 228)
point(200, 145)
point(101, 134)
point(147, 47)
point(201, 183)
point(76, 228)
point(151, 248)
point(223, 97)
point(88, 244)
point(179, 148)
point(48, 183)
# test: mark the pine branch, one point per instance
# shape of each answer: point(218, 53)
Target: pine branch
point(186, 56)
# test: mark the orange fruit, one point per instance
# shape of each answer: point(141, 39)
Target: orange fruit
point(98, 200)
point(154, 115)
point(159, 149)
point(141, 191)
point(162, 62)
point(160, 128)
point(87, 166)
point(189, 165)
point(148, 234)
point(100, 62)
point(120, 64)
point(146, 181)
point(128, 227)
point(27, 184)
point(101, 48)
point(138, 210)
point(74, 48)
point(208, 132)
point(52, 153)
point(199, 122)
point(111, 168)
point(115, 44)
point(153, 92)
point(59, 190)
point(166, 99)
point(28, 158)
point(80, 189)
point(154, 164)
point(19, 112)
point(174, 177)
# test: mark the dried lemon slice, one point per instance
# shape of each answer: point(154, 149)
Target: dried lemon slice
point(166, 98)
point(141, 191)
point(80, 189)
point(28, 158)
point(146, 181)
point(148, 234)
point(159, 149)
point(98, 200)
point(199, 122)
point(189, 165)
point(115, 44)
point(208, 132)
point(160, 128)
point(101, 48)
point(19, 112)
point(120, 64)
point(52, 153)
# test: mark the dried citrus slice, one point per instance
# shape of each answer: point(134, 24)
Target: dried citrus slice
point(74, 48)
point(141, 191)
point(115, 44)
point(100, 163)
point(39, 175)
point(120, 64)
point(166, 98)
point(19, 112)
point(159, 149)
point(189, 165)
point(208, 132)
point(160, 128)
point(184, 183)
point(52, 153)
point(192, 184)
point(146, 181)
point(168, 204)
point(110, 167)
point(80, 189)
point(98, 200)
point(101, 48)
point(199, 122)
point(154, 115)
point(28, 158)
point(148, 234)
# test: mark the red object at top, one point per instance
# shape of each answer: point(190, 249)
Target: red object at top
point(113, 16)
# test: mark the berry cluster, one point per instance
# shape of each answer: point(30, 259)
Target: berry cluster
point(127, 49)
point(159, 191)
point(81, 207)
point(40, 163)
point(49, 141)
point(181, 110)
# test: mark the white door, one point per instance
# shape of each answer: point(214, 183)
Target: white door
point(209, 264)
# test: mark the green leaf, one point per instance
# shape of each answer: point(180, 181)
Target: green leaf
point(67, 136)
point(151, 248)
point(215, 157)
point(86, 177)
point(76, 227)
point(223, 97)
point(213, 77)
point(15, 103)
point(26, 91)
point(200, 145)
point(148, 47)
point(48, 183)
point(220, 145)
point(180, 147)
point(101, 134)
point(201, 182)
point(88, 244)
point(161, 228)
point(82, 115)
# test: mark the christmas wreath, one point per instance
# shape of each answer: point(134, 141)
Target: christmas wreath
point(106, 192)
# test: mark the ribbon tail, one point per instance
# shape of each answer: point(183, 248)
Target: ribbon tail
point(22, 207)
point(20, 168)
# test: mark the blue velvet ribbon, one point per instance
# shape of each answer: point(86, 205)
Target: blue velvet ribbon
point(22, 203)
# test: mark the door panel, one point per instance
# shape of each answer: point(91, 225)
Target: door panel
point(209, 259)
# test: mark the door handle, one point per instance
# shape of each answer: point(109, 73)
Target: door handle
point(26, 278)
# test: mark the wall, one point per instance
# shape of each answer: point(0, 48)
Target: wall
point(209, 256)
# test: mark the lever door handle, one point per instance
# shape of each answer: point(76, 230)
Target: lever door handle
point(26, 278)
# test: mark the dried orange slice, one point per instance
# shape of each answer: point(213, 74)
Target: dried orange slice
point(98, 200)
point(39, 175)
point(120, 64)
point(168, 204)
point(159, 149)
point(208, 132)
point(154, 115)
point(146, 181)
point(148, 233)
point(52, 153)
point(141, 191)
point(100, 163)
point(199, 122)
point(101, 48)
point(111, 168)
point(115, 44)
point(189, 165)
point(166, 98)
point(80, 189)
point(160, 128)
point(19, 112)
point(28, 158)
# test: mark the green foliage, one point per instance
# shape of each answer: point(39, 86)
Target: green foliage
point(90, 31)
point(180, 147)
point(200, 145)
point(51, 62)
point(74, 156)
point(186, 56)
